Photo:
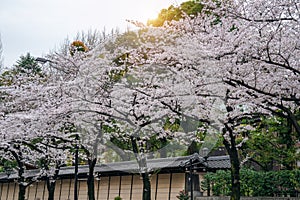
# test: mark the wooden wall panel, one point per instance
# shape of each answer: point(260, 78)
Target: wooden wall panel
point(163, 186)
point(30, 191)
point(71, 190)
point(82, 189)
point(4, 189)
point(1, 189)
point(126, 187)
point(114, 187)
point(13, 188)
point(137, 187)
point(65, 188)
point(66, 192)
point(103, 188)
point(178, 182)
point(57, 191)
point(97, 188)
point(153, 186)
point(34, 190)
point(40, 187)
point(16, 191)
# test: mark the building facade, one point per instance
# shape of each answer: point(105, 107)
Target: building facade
point(168, 177)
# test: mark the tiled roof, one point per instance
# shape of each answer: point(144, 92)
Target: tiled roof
point(212, 163)
point(218, 162)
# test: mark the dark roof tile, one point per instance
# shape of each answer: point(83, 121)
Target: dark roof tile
point(215, 162)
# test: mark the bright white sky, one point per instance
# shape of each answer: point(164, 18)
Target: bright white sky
point(38, 26)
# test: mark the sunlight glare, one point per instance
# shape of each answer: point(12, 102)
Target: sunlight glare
point(149, 11)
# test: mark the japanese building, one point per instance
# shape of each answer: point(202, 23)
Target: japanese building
point(168, 177)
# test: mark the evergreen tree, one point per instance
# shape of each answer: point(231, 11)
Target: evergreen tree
point(27, 65)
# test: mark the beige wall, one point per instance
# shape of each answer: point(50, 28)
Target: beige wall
point(107, 188)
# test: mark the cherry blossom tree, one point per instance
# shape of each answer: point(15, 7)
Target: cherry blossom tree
point(28, 133)
point(99, 91)
point(144, 101)
point(41, 113)
point(81, 80)
point(252, 47)
point(233, 62)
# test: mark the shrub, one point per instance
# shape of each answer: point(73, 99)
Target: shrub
point(183, 195)
point(118, 198)
point(255, 183)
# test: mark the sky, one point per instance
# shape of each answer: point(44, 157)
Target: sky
point(39, 26)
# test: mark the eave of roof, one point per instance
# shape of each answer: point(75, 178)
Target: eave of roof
point(131, 167)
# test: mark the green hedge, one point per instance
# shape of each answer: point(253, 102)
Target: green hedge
point(255, 183)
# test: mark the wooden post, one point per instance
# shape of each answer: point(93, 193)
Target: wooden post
point(191, 179)
point(131, 187)
point(76, 170)
point(156, 186)
point(98, 187)
point(170, 186)
point(120, 185)
point(108, 189)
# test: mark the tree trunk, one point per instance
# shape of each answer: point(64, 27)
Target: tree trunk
point(235, 177)
point(21, 178)
point(208, 187)
point(143, 169)
point(230, 146)
point(51, 181)
point(22, 191)
point(51, 188)
point(146, 186)
point(91, 179)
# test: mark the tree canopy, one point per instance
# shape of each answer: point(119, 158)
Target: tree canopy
point(218, 72)
point(190, 8)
